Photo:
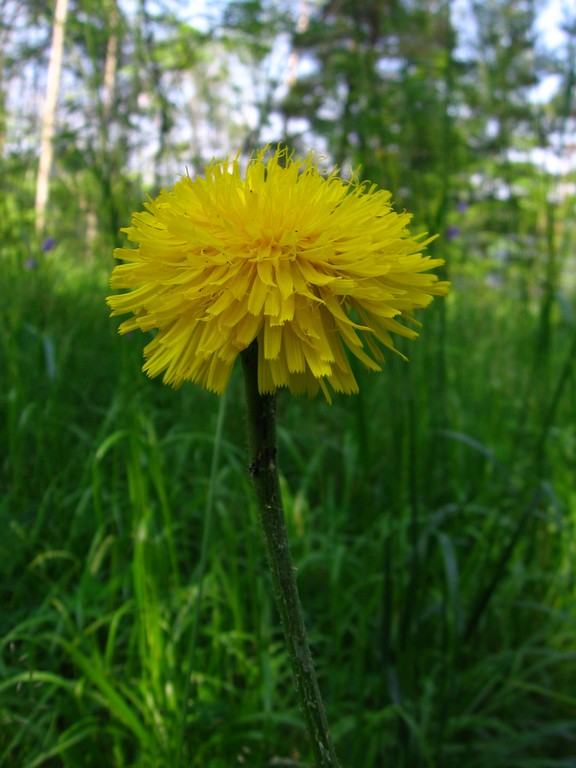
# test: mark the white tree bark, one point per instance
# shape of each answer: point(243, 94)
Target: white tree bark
point(111, 63)
point(49, 114)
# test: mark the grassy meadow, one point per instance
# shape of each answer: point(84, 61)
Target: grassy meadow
point(431, 517)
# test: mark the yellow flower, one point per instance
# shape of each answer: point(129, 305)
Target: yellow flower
point(304, 263)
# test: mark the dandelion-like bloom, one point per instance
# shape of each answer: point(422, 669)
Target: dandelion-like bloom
point(305, 264)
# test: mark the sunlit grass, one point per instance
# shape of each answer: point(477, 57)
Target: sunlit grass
point(432, 531)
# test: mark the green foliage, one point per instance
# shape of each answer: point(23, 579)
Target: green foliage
point(432, 517)
point(432, 520)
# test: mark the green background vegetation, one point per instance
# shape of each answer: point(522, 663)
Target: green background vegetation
point(432, 516)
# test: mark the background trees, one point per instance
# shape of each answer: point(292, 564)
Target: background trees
point(451, 105)
point(432, 516)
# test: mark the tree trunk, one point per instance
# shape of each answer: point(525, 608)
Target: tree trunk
point(49, 114)
point(111, 66)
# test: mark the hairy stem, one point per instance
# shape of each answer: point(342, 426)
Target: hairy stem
point(261, 422)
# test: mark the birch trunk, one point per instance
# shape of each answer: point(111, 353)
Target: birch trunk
point(49, 114)
point(110, 68)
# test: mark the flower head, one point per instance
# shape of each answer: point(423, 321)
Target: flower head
point(48, 244)
point(303, 263)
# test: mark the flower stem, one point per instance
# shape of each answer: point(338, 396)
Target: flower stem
point(261, 418)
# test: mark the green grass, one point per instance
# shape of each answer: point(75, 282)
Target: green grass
point(432, 521)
